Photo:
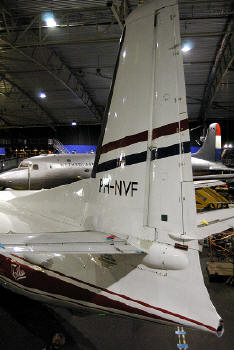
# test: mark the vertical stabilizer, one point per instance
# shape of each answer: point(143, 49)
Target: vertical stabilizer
point(144, 169)
point(211, 148)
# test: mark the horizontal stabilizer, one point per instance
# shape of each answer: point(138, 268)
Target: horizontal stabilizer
point(213, 222)
point(177, 297)
point(209, 223)
point(66, 242)
point(214, 176)
point(208, 183)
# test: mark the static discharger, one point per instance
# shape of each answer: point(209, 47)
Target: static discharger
point(181, 338)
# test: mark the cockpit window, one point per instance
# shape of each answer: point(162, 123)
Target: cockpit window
point(25, 164)
point(35, 167)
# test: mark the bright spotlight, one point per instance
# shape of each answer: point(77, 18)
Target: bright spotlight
point(74, 123)
point(48, 17)
point(42, 95)
point(185, 48)
point(225, 146)
point(230, 145)
point(51, 22)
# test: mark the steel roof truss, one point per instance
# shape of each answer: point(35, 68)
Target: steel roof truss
point(223, 62)
point(31, 101)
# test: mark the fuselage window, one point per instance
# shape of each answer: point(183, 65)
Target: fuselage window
point(35, 167)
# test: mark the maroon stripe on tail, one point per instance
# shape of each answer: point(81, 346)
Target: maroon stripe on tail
point(164, 130)
point(170, 129)
point(125, 141)
point(39, 280)
point(50, 286)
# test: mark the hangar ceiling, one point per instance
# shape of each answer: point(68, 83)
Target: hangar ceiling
point(73, 62)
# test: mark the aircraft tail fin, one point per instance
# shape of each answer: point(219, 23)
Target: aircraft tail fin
point(211, 148)
point(144, 155)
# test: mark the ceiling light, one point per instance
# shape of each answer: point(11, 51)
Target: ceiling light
point(185, 48)
point(48, 17)
point(42, 95)
point(50, 22)
point(74, 123)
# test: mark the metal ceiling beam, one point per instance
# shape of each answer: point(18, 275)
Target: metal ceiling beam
point(65, 11)
point(223, 61)
point(56, 67)
point(208, 2)
point(6, 123)
point(64, 75)
point(205, 16)
point(37, 43)
point(77, 70)
point(93, 39)
point(45, 113)
point(206, 34)
point(29, 126)
point(73, 11)
point(115, 8)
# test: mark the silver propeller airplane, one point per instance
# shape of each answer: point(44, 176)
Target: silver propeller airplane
point(47, 171)
point(126, 240)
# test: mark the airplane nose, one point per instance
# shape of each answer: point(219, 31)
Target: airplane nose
point(14, 179)
point(3, 181)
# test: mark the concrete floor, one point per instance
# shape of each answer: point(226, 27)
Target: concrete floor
point(28, 325)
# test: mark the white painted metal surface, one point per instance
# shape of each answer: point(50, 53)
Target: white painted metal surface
point(143, 193)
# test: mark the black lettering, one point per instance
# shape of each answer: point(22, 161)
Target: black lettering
point(118, 187)
point(126, 189)
point(134, 188)
point(100, 185)
point(108, 187)
point(131, 186)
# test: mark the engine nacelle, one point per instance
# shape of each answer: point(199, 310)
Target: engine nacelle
point(165, 257)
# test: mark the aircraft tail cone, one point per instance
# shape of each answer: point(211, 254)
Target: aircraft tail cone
point(220, 329)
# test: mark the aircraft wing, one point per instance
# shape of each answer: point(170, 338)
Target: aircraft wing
point(208, 183)
point(209, 223)
point(215, 221)
point(213, 177)
point(220, 167)
point(66, 242)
